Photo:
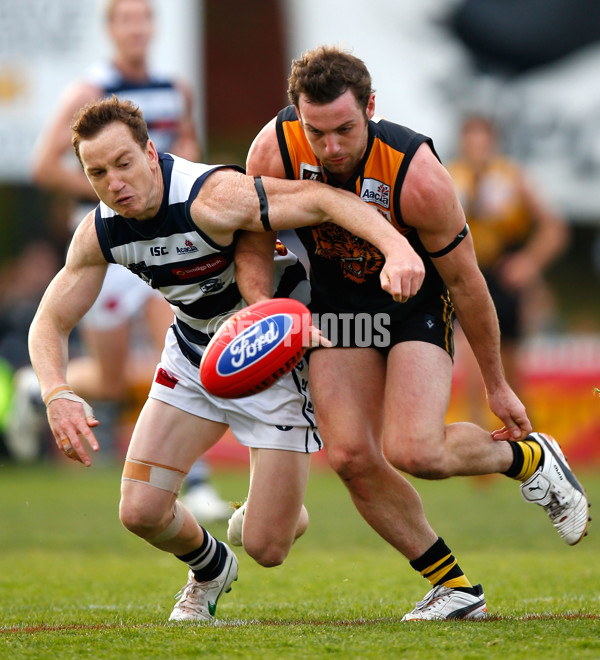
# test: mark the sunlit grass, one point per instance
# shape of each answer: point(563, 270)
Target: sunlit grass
point(75, 584)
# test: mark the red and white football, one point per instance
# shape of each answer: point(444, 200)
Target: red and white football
point(255, 347)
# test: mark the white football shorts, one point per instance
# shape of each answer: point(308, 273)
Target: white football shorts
point(122, 298)
point(281, 417)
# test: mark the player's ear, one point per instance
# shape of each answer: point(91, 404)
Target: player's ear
point(371, 106)
point(151, 152)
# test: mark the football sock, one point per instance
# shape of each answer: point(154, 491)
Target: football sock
point(439, 566)
point(527, 458)
point(208, 560)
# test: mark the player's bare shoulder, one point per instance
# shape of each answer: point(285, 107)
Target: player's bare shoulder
point(264, 157)
point(85, 248)
point(428, 199)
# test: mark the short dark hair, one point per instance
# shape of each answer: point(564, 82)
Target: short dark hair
point(96, 115)
point(325, 73)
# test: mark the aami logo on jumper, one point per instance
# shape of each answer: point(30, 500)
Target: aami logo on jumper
point(254, 343)
point(376, 192)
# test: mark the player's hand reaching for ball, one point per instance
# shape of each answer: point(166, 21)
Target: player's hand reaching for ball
point(505, 404)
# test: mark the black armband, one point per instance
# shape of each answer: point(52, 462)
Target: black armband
point(462, 234)
point(264, 204)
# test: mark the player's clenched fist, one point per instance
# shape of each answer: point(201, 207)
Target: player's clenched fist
point(402, 274)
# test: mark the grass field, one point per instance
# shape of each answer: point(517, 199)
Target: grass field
point(75, 584)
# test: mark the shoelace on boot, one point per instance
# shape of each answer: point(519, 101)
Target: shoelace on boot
point(433, 596)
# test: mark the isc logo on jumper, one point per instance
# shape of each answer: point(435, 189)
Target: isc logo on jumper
point(254, 343)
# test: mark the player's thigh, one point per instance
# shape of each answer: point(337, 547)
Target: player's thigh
point(347, 388)
point(170, 440)
point(417, 393)
point(166, 435)
point(277, 487)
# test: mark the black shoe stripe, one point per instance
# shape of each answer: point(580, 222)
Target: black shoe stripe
point(464, 611)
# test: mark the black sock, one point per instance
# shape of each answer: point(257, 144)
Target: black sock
point(439, 566)
point(208, 561)
point(527, 458)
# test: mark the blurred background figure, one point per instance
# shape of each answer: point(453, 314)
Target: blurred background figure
point(517, 234)
point(23, 281)
point(113, 365)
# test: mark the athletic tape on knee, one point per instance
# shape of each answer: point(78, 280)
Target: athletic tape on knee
point(88, 411)
point(173, 528)
point(159, 476)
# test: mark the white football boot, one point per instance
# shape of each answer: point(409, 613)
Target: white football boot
point(235, 525)
point(443, 603)
point(554, 487)
point(198, 600)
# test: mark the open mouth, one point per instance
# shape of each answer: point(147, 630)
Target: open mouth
point(125, 200)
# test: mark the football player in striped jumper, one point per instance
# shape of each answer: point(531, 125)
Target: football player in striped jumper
point(176, 224)
point(105, 372)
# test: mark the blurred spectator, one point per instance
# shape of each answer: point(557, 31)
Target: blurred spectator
point(517, 235)
point(110, 369)
point(23, 281)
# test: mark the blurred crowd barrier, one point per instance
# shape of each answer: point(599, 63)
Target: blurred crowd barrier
point(559, 374)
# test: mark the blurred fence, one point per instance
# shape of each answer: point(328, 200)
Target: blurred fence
point(559, 375)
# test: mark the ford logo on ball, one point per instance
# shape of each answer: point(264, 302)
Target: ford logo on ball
point(254, 343)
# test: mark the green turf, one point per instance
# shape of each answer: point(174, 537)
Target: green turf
point(75, 584)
